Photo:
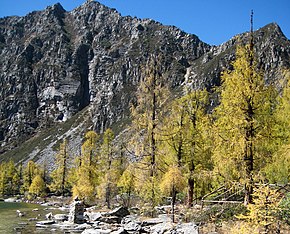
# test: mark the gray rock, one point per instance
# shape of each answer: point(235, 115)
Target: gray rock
point(96, 231)
point(162, 228)
point(11, 199)
point(49, 216)
point(131, 223)
point(76, 214)
point(60, 217)
point(152, 221)
point(45, 222)
point(187, 228)
point(119, 212)
point(120, 231)
point(110, 219)
point(93, 216)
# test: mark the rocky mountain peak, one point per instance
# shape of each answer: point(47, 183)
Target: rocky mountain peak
point(58, 67)
point(56, 9)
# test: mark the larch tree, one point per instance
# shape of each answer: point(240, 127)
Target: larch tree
point(87, 173)
point(278, 169)
point(243, 121)
point(107, 166)
point(37, 186)
point(30, 171)
point(188, 136)
point(59, 176)
point(172, 183)
point(147, 114)
point(263, 213)
point(10, 179)
point(126, 184)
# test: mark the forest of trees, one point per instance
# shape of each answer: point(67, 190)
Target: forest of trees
point(179, 147)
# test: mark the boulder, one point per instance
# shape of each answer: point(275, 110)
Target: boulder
point(119, 212)
point(11, 199)
point(49, 216)
point(93, 216)
point(131, 224)
point(110, 219)
point(60, 217)
point(187, 228)
point(76, 214)
point(45, 222)
point(166, 227)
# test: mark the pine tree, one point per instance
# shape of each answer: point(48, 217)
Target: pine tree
point(243, 122)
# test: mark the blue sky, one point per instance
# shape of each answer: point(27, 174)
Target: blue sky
point(213, 21)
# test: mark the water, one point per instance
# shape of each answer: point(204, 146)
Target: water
point(11, 223)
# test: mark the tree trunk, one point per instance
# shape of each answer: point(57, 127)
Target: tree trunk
point(108, 194)
point(173, 204)
point(190, 192)
point(190, 184)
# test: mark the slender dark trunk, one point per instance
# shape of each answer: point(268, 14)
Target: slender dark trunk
point(173, 204)
point(129, 199)
point(153, 142)
point(63, 170)
point(250, 132)
point(190, 184)
point(180, 143)
point(108, 186)
point(108, 195)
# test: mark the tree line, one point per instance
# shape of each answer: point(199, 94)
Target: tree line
point(179, 146)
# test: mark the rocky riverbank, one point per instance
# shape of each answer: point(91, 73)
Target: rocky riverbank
point(117, 221)
point(61, 217)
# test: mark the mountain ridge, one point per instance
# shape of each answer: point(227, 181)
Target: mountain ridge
point(57, 65)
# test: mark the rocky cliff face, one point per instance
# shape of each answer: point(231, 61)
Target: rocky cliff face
point(57, 65)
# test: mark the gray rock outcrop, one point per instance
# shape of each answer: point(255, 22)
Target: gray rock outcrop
point(76, 214)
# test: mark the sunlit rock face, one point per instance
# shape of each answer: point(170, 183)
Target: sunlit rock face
point(54, 64)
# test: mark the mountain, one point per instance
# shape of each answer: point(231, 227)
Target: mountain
point(62, 73)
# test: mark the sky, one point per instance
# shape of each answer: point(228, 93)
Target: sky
point(213, 21)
